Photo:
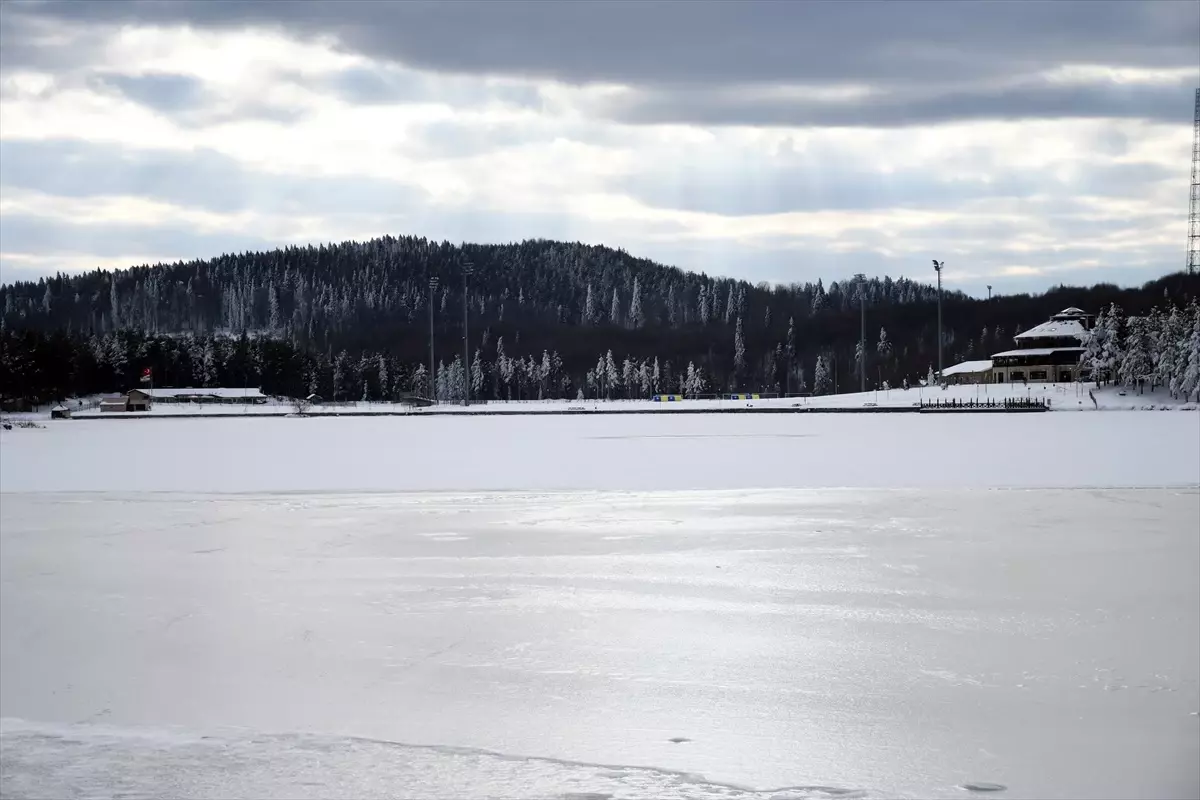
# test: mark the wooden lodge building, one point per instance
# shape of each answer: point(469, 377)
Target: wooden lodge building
point(1045, 353)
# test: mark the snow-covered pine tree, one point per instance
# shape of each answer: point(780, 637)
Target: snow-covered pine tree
point(441, 387)
point(114, 303)
point(544, 372)
point(739, 350)
point(339, 374)
point(456, 381)
point(589, 307)
point(385, 380)
point(884, 347)
point(1189, 383)
point(628, 377)
point(615, 312)
point(644, 383)
point(477, 375)
point(694, 383)
point(274, 324)
point(821, 381)
point(208, 364)
point(1112, 351)
point(636, 317)
point(1166, 340)
point(1093, 346)
point(1137, 364)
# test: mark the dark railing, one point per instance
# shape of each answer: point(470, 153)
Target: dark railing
point(988, 404)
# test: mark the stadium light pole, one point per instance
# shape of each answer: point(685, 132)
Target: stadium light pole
point(937, 265)
point(433, 284)
point(468, 270)
point(989, 292)
point(862, 310)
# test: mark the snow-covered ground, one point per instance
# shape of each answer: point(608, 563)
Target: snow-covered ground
point(1062, 397)
point(607, 606)
point(637, 452)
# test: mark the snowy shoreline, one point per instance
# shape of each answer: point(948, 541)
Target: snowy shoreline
point(1058, 396)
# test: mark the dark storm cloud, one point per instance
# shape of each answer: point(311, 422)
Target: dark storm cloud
point(200, 179)
point(667, 46)
point(652, 41)
point(910, 106)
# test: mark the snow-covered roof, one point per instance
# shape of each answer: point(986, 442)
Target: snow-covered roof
point(1055, 329)
point(59, 407)
point(1038, 351)
point(111, 401)
point(1071, 312)
point(207, 392)
point(968, 368)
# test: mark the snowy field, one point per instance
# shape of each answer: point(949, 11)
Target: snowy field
point(717, 606)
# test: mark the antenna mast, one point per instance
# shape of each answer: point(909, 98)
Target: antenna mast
point(1193, 259)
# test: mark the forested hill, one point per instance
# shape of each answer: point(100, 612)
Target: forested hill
point(546, 318)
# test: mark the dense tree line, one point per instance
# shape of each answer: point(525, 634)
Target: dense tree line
point(1160, 348)
point(547, 319)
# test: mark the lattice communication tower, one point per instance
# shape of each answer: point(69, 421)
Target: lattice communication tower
point(1193, 259)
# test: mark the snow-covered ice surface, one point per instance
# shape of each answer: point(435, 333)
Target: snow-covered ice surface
point(637, 452)
point(335, 608)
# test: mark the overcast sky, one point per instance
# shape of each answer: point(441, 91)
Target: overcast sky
point(1024, 143)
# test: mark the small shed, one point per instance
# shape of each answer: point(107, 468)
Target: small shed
point(313, 398)
point(137, 400)
point(60, 412)
point(114, 404)
point(969, 372)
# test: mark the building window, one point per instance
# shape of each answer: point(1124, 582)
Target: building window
point(1017, 375)
point(1037, 375)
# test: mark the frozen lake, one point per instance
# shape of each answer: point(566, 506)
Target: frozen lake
point(538, 607)
point(640, 453)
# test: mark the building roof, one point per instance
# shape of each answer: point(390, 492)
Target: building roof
point(1072, 312)
point(1055, 329)
point(59, 407)
point(113, 401)
point(968, 368)
point(206, 392)
point(1038, 351)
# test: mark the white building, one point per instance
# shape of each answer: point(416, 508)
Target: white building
point(1046, 352)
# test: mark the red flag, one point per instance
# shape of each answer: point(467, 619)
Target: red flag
point(146, 375)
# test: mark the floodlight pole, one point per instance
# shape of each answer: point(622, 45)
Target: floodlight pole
point(468, 269)
point(433, 284)
point(937, 265)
